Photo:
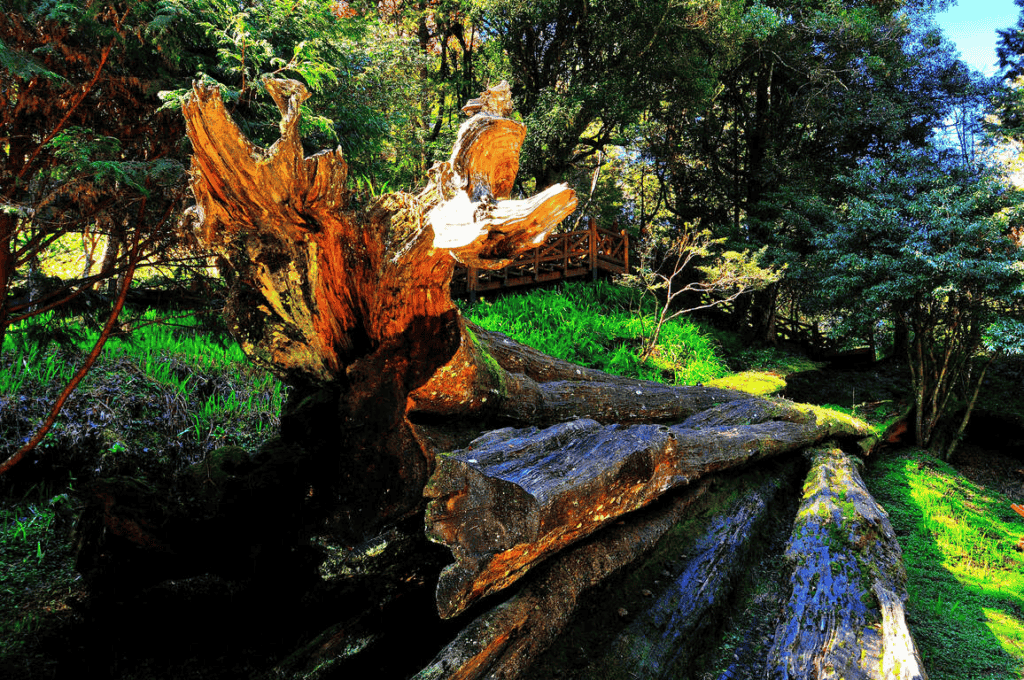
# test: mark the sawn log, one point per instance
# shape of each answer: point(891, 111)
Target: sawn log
point(516, 496)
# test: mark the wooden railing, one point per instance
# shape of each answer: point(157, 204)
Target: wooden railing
point(570, 255)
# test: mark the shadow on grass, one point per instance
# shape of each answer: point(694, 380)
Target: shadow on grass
point(965, 606)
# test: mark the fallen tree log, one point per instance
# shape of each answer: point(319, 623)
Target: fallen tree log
point(504, 641)
point(845, 617)
point(663, 640)
point(514, 497)
point(349, 304)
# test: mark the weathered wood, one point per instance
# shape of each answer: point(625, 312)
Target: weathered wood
point(845, 618)
point(504, 641)
point(513, 384)
point(514, 497)
point(663, 640)
point(357, 299)
point(516, 357)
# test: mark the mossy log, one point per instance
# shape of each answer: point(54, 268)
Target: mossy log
point(845, 617)
point(516, 496)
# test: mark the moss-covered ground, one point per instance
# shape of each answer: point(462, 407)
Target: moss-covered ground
point(966, 577)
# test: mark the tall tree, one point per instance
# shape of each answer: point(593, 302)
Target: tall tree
point(584, 71)
point(928, 242)
point(806, 90)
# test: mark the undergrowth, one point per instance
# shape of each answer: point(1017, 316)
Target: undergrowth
point(36, 572)
point(164, 392)
point(602, 326)
point(167, 393)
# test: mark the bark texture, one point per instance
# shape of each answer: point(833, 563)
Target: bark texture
point(663, 640)
point(356, 299)
point(503, 642)
point(516, 496)
point(845, 617)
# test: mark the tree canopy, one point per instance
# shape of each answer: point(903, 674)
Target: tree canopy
point(747, 118)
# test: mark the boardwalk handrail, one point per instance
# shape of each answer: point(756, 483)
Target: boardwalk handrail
point(568, 255)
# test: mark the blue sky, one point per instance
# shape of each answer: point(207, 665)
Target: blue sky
point(972, 25)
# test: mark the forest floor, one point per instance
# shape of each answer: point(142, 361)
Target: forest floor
point(964, 573)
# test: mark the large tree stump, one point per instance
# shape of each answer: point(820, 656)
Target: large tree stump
point(357, 300)
point(514, 497)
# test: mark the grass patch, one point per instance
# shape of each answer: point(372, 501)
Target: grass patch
point(601, 326)
point(36, 567)
point(966, 581)
point(165, 391)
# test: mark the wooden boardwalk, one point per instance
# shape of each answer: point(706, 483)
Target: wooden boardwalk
point(574, 254)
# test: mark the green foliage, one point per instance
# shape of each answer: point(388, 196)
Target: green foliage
point(926, 245)
point(36, 564)
point(600, 326)
point(585, 71)
point(964, 577)
point(720, 277)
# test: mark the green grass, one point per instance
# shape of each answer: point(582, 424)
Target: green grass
point(164, 387)
point(36, 567)
point(32, 349)
point(601, 326)
point(966, 580)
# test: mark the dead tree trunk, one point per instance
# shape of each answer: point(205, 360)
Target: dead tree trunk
point(350, 306)
point(845, 616)
point(355, 301)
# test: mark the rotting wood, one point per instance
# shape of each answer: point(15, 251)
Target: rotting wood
point(845, 617)
point(505, 640)
point(356, 300)
point(516, 496)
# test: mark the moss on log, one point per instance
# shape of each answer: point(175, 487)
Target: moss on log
point(662, 641)
point(845, 617)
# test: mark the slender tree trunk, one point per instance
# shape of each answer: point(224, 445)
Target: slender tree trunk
point(8, 223)
point(950, 449)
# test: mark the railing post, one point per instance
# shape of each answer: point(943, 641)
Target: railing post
point(625, 250)
point(593, 249)
point(564, 238)
point(471, 283)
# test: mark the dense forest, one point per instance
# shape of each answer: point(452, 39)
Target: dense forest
point(832, 166)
